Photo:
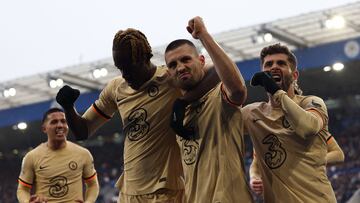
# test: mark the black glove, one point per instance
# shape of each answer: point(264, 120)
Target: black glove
point(177, 118)
point(264, 79)
point(67, 96)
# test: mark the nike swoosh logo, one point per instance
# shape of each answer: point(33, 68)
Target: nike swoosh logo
point(315, 104)
point(162, 179)
point(42, 167)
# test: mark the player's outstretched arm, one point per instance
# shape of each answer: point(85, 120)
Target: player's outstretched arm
point(66, 97)
point(226, 69)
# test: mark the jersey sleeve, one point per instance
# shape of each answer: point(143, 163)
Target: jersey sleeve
point(245, 116)
point(226, 97)
point(105, 105)
point(318, 106)
point(26, 177)
point(102, 109)
point(328, 137)
point(89, 171)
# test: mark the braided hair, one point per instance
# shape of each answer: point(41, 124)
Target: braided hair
point(131, 47)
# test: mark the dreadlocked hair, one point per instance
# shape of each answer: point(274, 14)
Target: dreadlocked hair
point(130, 46)
point(297, 88)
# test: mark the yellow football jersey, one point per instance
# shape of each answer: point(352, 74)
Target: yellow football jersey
point(57, 174)
point(151, 154)
point(214, 162)
point(293, 169)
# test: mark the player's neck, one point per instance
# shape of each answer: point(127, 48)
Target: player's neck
point(291, 92)
point(56, 145)
point(151, 70)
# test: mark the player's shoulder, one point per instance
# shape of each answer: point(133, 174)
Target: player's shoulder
point(308, 97)
point(113, 85)
point(246, 110)
point(311, 101)
point(162, 74)
point(162, 67)
point(40, 149)
point(116, 81)
point(254, 105)
point(77, 147)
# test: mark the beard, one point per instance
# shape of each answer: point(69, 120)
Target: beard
point(286, 82)
point(187, 85)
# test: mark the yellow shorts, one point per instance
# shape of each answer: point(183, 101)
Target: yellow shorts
point(160, 196)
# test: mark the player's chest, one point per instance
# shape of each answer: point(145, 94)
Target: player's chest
point(50, 166)
point(150, 100)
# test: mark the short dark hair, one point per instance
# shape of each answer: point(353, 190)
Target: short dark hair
point(177, 43)
point(51, 110)
point(279, 49)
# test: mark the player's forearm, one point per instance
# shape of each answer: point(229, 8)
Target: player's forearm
point(92, 191)
point(303, 122)
point(77, 124)
point(23, 194)
point(254, 173)
point(335, 154)
point(335, 157)
point(226, 69)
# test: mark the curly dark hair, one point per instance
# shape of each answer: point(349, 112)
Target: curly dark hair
point(279, 49)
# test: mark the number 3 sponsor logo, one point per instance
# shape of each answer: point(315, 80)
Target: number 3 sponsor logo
point(276, 154)
point(190, 149)
point(58, 187)
point(137, 127)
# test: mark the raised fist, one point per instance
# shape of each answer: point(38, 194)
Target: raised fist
point(196, 27)
point(67, 96)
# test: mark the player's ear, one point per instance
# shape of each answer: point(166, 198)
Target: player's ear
point(43, 129)
point(295, 74)
point(202, 59)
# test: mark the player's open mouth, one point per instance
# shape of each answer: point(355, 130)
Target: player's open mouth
point(276, 77)
point(59, 132)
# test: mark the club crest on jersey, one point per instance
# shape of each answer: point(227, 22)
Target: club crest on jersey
point(276, 154)
point(190, 149)
point(73, 165)
point(137, 126)
point(58, 187)
point(285, 123)
point(153, 90)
